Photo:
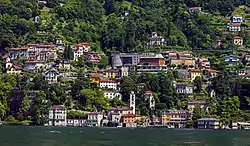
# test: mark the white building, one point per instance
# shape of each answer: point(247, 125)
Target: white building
point(151, 99)
point(51, 75)
point(111, 94)
point(76, 122)
point(208, 123)
point(238, 41)
point(234, 27)
point(184, 88)
point(94, 119)
point(132, 101)
point(108, 84)
point(80, 49)
point(58, 115)
point(236, 19)
point(156, 40)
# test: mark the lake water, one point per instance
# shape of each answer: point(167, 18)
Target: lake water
point(70, 136)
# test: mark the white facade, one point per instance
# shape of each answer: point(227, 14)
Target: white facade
point(81, 49)
point(184, 88)
point(94, 119)
point(132, 101)
point(124, 71)
point(151, 99)
point(58, 116)
point(51, 76)
point(111, 94)
point(236, 19)
point(208, 123)
point(156, 40)
point(234, 27)
point(108, 84)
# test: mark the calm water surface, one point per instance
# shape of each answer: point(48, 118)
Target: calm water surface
point(51, 136)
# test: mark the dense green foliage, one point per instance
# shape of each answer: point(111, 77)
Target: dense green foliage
point(121, 25)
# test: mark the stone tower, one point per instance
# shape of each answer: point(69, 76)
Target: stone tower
point(151, 99)
point(132, 101)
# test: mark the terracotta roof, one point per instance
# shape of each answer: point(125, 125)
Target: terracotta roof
point(120, 108)
point(235, 24)
point(212, 71)
point(148, 91)
point(237, 37)
point(16, 67)
point(58, 107)
point(94, 113)
point(247, 66)
point(94, 75)
point(131, 115)
point(15, 49)
point(194, 70)
point(110, 81)
point(41, 45)
point(83, 44)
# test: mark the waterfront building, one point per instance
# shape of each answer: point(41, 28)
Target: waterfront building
point(58, 115)
point(115, 113)
point(94, 119)
point(130, 120)
point(76, 122)
point(208, 123)
point(175, 118)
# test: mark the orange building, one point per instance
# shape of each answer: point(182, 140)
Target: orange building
point(95, 78)
point(130, 118)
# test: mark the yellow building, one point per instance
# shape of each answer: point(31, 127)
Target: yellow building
point(13, 69)
point(111, 74)
point(194, 73)
point(95, 78)
point(173, 116)
point(130, 118)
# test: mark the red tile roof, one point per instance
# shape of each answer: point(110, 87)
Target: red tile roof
point(148, 91)
point(194, 70)
point(235, 24)
point(94, 75)
point(212, 71)
point(120, 108)
point(15, 49)
point(58, 107)
point(41, 45)
point(247, 66)
point(110, 81)
point(237, 37)
point(131, 115)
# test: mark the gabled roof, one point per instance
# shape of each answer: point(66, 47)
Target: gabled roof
point(16, 49)
point(235, 24)
point(52, 70)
